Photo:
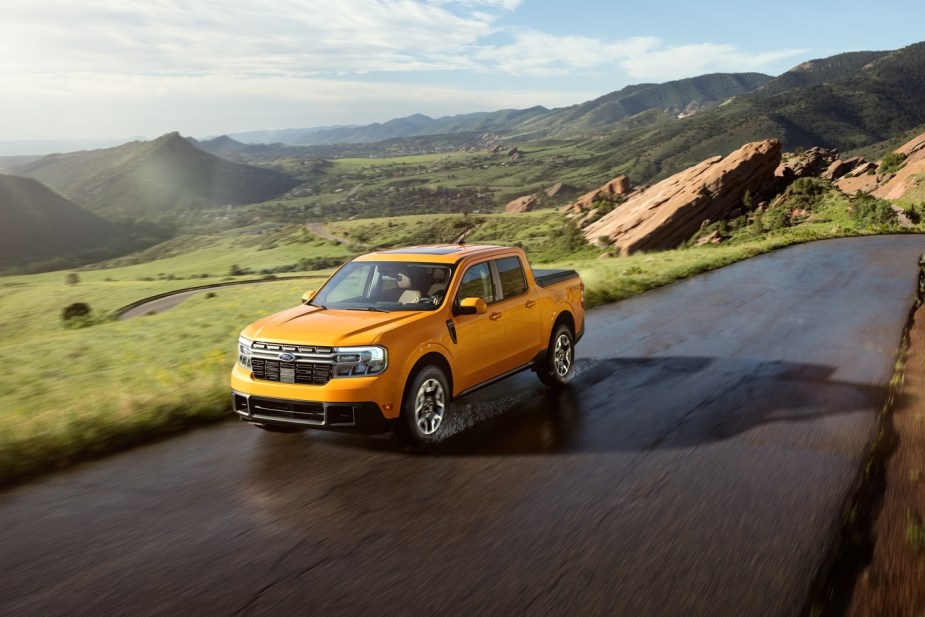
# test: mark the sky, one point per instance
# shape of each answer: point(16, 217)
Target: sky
point(119, 69)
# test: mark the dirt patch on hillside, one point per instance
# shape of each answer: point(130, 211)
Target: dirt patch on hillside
point(893, 583)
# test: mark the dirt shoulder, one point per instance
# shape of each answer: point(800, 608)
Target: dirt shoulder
point(893, 583)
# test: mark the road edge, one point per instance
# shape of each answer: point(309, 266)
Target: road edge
point(853, 547)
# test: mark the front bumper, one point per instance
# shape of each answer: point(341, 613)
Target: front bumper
point(364, 418)
point(366, 405)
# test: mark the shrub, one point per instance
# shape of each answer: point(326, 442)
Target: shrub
point(914, 213)
point(75, 310)
point(776, 218)
point(872, 212)
point(892, 162)
point(80, 315)
point(757, 227)
point(72, 278)
point(805, 194)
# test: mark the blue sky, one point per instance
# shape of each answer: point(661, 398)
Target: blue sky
point(76, 69)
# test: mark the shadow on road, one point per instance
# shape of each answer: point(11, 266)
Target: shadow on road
point(326, 486)
point(638, 404)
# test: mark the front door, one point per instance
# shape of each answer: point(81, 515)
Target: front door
point(480, 340)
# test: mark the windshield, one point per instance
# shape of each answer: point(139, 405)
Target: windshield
point(385, 286)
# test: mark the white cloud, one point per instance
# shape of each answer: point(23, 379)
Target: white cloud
point(74, 64)
point(213, 36)
point(538, 54)
point(326, 37)
point(105, 105)
point(676, 62)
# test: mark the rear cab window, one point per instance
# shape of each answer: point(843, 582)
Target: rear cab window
point(511, 275)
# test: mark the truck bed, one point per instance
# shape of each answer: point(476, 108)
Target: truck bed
point(545, 278)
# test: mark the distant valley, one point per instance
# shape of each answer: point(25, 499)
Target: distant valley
point(863, 102)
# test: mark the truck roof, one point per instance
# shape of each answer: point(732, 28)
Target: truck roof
point(434, 253)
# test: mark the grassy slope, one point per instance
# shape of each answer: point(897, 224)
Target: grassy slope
point(116, 382)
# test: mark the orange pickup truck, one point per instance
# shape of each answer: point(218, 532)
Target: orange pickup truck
point(394, 336)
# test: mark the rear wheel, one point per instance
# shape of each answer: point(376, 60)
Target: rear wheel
point(556, 370)
point(426, 409)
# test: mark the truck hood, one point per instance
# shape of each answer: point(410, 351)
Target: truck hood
point(312, 325)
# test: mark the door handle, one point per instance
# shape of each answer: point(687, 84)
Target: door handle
point(530, 303)
point(494, 316)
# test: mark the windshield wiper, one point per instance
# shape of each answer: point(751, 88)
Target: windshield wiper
point(374, 309)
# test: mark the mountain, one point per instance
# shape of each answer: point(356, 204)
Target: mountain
point(411, 126)
point(674, 98)
point(157, 179)
point(821, 70)
point(683, 96)
point(40, 225)
point(853, 101)
point(282, 136)
point(224, 146)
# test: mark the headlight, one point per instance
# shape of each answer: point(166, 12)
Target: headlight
point(359, 361)
point(244, 352)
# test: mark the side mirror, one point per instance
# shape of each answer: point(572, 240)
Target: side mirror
point(472, 306)
point(308, 295)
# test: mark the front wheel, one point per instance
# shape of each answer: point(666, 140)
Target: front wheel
point(556, 369)
point(426, 409)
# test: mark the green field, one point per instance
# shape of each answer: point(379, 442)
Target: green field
point(76, 392)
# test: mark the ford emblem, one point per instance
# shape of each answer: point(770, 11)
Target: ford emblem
point(286, 357)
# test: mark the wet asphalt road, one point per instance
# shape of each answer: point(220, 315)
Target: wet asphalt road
point(698, 465)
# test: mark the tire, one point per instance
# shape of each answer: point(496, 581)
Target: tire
point(274, 428)
point(426, 408)
point(556, 368)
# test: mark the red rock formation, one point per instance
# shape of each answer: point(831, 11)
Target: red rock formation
point(618, 186)
point(842, 166)
point(895, 186)
point(912, 146)
point(668, 213)
point(850, 185)
point(810, 162)
point(554, 189)
point(521, 204)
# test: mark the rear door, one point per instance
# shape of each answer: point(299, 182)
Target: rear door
point(522, 315)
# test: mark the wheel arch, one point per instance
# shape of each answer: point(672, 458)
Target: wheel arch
point(430, 358)
point(565, 317)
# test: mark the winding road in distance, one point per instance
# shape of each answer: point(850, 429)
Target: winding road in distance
point(699, 464)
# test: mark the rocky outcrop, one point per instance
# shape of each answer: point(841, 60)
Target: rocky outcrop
point(850, 185)
point(841, 167)
point(913, 146)
point(617, 187)
point(668, 213)
point(560, 190)
point(811, 162)
point(908, 176)
point(521, 204)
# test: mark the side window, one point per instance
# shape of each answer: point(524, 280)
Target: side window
point(476, 283)
point(511, 273)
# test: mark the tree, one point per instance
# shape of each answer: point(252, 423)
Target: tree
point(72, 278)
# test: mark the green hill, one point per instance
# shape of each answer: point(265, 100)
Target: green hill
point(41, 226)
point(693, 94)
point(159, 179)
point(866, 102)
point(821, 70)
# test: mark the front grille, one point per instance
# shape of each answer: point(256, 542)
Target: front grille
point(310, 373)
